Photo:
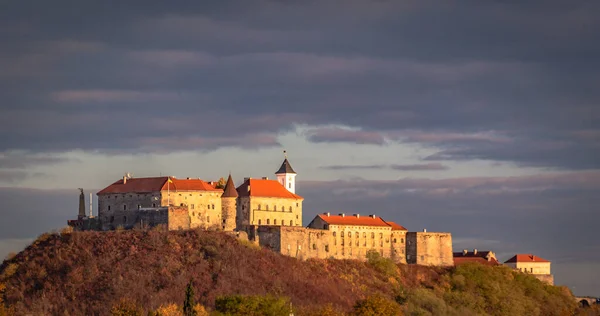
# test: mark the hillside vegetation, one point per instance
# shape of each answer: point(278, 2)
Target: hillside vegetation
point(97, 273)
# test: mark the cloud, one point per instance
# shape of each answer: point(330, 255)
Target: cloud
point(448, 86)
point(353, 167)
point(420, 167)
point(332, 135)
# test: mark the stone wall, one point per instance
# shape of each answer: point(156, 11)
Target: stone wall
point(548, 278)
point(178, 218)
point(427, 248)
point(228, 212)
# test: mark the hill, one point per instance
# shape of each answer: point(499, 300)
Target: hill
point(87, 273)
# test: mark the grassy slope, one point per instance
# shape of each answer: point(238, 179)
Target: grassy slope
point(87, 273)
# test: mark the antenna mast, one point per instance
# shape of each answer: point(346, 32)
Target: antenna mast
point(91, 202)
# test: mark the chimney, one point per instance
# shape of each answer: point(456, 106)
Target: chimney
point(265, 178)
point(342, 215)
point(124, 179)
point(465, 251)
point(424, 230)
point(189, 178)
point(474, 251)
point(328, 214)
point(357, 215)
point(373, 216)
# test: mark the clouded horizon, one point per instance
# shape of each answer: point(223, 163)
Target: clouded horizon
point(480, 119)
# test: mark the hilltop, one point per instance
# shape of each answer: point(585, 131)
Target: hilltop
point(86, 273)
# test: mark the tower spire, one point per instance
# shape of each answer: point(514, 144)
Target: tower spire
point(81, 204)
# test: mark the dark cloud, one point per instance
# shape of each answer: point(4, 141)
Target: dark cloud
point(354, 167)
point(115, 76)
point(20, 160)
point(420, 167)
point(338, 135)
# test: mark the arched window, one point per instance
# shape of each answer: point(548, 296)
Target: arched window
point(268, 221)
point(124, 207)
point(373, 235)
point(124, 219)
point(259, 207)
point(394, 240)
point(274, 207)
point(380, 235)
point(342, 234)
point(402, 240)
point(275, 222)
point(259, 222)
point(349, 234)
point(109, 207)
point(208, 219)
point(283, 208)
point(364, 235)
point(290, 208)
point(291, 222)
point(333, 234)
point(357, 234)
point(267, 207)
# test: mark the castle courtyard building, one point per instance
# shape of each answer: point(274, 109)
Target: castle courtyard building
point(532, 264)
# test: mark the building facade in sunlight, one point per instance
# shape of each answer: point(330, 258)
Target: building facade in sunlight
point(268, 211)
point(532, 264)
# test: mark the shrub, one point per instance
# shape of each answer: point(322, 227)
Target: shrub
point(253, 305)
point(376, 305)
point(126, 308)
point(384, 265)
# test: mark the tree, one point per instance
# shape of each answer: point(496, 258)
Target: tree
point(221, 183)
point(376, 305)
point(188, 303)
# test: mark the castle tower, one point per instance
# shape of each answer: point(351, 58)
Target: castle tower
point(286, 175)
point(229, 205)
point(81, 205)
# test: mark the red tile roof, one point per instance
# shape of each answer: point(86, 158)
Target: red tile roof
point(353, 220)
point(396, 226)
point(154, 184)
point(265, 188)
point(525, 258)
point(463, 260)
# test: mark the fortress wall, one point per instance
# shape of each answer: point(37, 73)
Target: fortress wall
point(229, 206)
point(178, 218)
point(427, 248)
point(547, 278)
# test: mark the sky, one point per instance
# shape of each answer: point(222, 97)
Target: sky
point(476, 118)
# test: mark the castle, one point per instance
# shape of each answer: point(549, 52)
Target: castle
point(268, 211)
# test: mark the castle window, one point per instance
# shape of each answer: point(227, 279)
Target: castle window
point(259, 222)
point(109, 207)
point(208, 207)
point(402, 251)
point(124, 207)
point(422, 258)
point(259, 207)
point(208, 219)
point(193, 213)
point(192, 206)
point(380, 235)
point(401, 240)
point(291, 223)
point(296, 216)
point(153, 204)
point(364, 235)
point(342, 234)
point(179, 194)
point(283, 208)
point(297, 204)
point(373, 235)
point(275, 222)
point(394, 240)
point(124, 219)
point(326, 248)
point(314, 247)
point(139, 206)
point(290, 208)
point(213, 206)
point(268, 221)
point(180, 204)
point(274, 207)
point(357, 243)
point(267, 207)
point(333, 234)
point(357, 234)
